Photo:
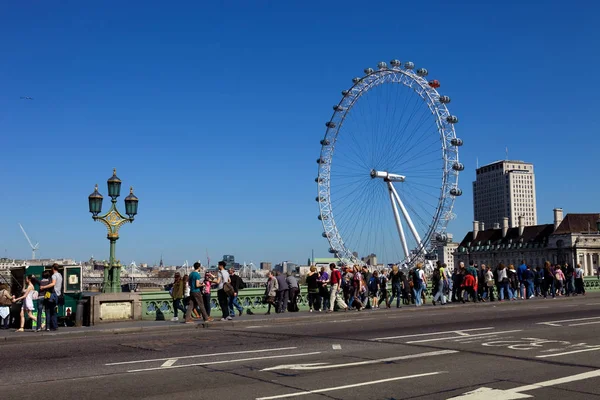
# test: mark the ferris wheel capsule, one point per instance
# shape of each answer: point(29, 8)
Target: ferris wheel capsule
point(409, 65)
point(324, 142)
point(452, 119)
point(318, 180)
point(320, 199)
point(321, 160)
point(395, 63)
point(434, 83)
point(345, 92)
point(355, 80)
point(369, 71)
point(458, 166)
point(338, 108)
point(382, 65)
point(330, 124)
point(456, 142)
point(456, 192)
point(444, 99)
point(422, 72)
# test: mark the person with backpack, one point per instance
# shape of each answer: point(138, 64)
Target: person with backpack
point(373, 287)
point(419, 283)
point(396, 278)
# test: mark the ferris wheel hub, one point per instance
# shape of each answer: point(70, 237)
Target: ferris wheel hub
point(386, 176)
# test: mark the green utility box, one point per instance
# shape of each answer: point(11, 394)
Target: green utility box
point(72, 284)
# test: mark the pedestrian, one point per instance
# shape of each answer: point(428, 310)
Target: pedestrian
point(312, 283)
point(383, 292)
point(294, 292)
point(437, 285)
point(559, 277)
point(283, 292)
point(373, 289)
point(539, 281)
point(196, 299)
point(396, 281)
point(177, 296)
point(224, 290)
point(323, 288)
point(569, 279)
point(489, 284)
point(579, 285)
point(27, 297)
point(208, 278)
point(504, 288)
point(5, 303)
point(55, 298)
point(521, 280)
point(238, 284)
point(548, 280)
point(529, 277)
point(419, 283)
point(43, 296)
point(335, 279)
point(271, 292)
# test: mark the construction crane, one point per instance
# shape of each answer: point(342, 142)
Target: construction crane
point(33, 248)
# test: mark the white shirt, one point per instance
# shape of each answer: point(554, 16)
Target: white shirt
point(224, 278)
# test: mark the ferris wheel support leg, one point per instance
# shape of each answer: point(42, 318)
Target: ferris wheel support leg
point(411, 226)
point(397, 218)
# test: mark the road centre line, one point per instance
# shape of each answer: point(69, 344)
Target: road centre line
point(203, 355)
point(461, 337)
point(431, 334)
point(557, 323)
point(282, 396)
point(568, 352)
point(356, 364)
point(226, 361)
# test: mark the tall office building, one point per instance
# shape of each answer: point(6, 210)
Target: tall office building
point(505, 189)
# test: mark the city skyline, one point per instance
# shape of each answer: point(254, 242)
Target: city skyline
point(217, 112)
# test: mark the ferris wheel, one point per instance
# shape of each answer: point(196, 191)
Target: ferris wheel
point(388, 169)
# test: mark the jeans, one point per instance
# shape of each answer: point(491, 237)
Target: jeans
point(313, 301)
point(223, 302)
point(177, 305)
point(51, 314)
point(397, 293)
point(40, 310)
point(335, 298)
point(439, 293)
point(207, 302)
point(529, 288)
point(417, 291)
point(196, 300)
point(234, 302)
point(282, 300)
point(504, 289)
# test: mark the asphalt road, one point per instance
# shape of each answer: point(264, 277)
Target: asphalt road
point(536, 348)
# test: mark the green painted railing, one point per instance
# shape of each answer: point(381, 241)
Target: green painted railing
point(159, 305)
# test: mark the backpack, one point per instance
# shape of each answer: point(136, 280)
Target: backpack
point(382, 282)
point(436, 275)
point(373, 284)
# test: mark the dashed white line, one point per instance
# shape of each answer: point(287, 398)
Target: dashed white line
point(168, 363)
point(460, 337)
point(431, 333)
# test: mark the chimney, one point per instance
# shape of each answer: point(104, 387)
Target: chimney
point(482, 226)
point(496, 225)
point(504, 226)
point(521, 225)
point(558, 217)
point(475, 229)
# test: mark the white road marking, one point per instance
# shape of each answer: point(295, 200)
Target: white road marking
point(485, 393)
point(282, 396)
point(306, 367)
point(203, 355)
point(585, 323)
point(255, 326)
point(226, 361)
point(569, 352)
point(431, 334)
point(559, 322)
point(336, 346)
point(168, 363)
point(470, 336)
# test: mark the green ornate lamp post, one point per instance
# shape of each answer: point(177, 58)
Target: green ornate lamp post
point(113, 220)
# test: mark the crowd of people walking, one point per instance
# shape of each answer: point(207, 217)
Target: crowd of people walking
point(356, 287)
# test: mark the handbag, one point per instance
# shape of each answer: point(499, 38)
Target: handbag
point(47, 295)
point(228, 289)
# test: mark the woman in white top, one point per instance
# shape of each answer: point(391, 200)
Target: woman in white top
point(27, 303)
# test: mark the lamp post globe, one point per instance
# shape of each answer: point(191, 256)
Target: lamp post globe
point(131, 204)
point(114, 185)
point(95, 200)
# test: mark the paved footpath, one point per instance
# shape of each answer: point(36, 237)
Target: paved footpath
point(512, 350)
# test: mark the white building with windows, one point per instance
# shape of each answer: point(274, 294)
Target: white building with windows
point(505, 189)
point(445, 252)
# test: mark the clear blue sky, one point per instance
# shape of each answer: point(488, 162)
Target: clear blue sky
point(217, 108)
